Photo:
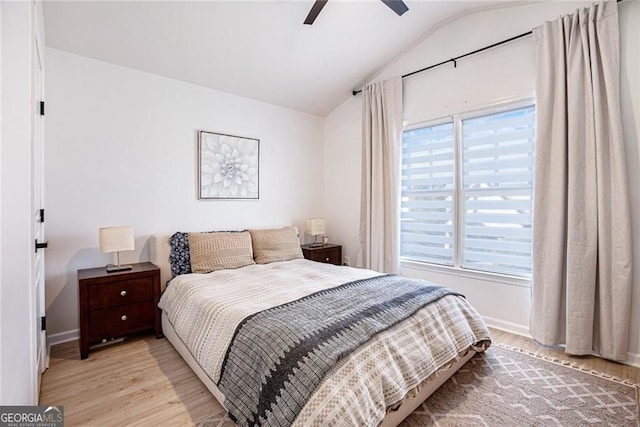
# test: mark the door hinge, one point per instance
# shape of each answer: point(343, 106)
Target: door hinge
point(41, 215)
point(42, 108)
point(43, 323)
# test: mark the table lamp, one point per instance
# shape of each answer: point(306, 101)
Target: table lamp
point(116, 239)
point(315, 227)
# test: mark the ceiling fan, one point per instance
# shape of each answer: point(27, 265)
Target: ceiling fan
point(397, 6)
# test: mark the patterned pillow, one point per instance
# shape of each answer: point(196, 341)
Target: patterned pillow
point(219, 251)
point(179, 256)
point(277, 244)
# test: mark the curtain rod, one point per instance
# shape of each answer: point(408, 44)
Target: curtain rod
point(455, 59)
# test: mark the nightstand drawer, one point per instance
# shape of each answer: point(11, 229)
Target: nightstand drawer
point(120, 320)
point(328, 253)
point(120, 292)
point(331, 256)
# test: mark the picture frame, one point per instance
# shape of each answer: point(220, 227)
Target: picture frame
point(228, 166)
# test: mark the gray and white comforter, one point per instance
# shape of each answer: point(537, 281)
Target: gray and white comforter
point(211, 314)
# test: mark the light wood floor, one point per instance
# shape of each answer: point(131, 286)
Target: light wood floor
point(142, 381)
point(145, 382)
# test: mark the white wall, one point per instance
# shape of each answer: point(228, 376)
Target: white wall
point(342, 158)
point(629, 16)
point(122, 149)
point(504, 73)
point(18, 368)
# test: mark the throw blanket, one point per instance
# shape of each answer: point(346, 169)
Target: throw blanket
point(278, 356)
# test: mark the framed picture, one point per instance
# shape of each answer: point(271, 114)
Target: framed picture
point(228, 166)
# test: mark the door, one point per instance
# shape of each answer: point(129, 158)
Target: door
point(37, 170)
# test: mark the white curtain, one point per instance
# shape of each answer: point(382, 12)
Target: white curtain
point(581, 225)
point(381, 163)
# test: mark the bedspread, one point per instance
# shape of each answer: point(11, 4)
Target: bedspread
point(205, 311)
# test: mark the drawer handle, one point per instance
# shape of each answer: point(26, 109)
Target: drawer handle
point(123, 293)
point(124, 317)
point(326, 259)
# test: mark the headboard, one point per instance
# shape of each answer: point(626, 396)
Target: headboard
point(160, 250)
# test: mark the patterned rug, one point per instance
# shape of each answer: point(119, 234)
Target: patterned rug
point(511, 387)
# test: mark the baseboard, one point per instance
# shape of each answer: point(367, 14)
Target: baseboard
point(633, 360)
point(61, 337)
point(513, 328)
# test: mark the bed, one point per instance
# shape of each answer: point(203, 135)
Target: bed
point(372, 366)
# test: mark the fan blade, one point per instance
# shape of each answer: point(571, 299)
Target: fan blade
point(315, 10)
point(397, 6)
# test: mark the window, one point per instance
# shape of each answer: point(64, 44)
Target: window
point(467, 187)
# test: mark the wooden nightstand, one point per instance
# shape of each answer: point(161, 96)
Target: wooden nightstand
point(331, 254)
point(115, 305)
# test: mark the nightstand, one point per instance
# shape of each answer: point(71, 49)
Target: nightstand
point(115, 305)
point(331, 254)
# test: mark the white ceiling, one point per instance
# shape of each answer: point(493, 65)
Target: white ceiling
point(256, 49)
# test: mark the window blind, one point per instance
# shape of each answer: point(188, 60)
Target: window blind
point(497, 190)
point(427, 204)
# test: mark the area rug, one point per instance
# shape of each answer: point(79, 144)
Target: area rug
point(512, 387)
point(508, 387)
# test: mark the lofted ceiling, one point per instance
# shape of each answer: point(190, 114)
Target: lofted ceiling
point(255, 49)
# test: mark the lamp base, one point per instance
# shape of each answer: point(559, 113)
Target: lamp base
point(111, 268)
point(316, 245)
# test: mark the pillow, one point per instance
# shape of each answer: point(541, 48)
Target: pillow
point(179, 256)
point(218, 251)
point(276, 244)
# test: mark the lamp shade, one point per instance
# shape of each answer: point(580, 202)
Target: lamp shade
point(315, 226)
point(116, 239)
